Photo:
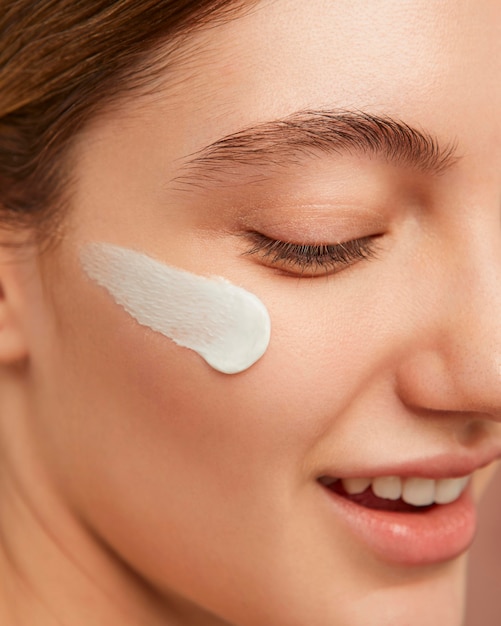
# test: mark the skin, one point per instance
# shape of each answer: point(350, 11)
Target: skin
point(138, 485)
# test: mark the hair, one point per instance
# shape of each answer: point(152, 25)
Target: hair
point(61, 62)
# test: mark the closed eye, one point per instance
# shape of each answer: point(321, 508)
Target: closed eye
point(310, 260)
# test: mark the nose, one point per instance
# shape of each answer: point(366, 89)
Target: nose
point(454, 363)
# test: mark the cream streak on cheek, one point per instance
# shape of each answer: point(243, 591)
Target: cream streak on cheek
point(226, 325)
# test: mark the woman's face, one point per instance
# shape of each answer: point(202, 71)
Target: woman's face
point(207, 484)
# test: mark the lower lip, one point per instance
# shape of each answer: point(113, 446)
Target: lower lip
point(433, 536)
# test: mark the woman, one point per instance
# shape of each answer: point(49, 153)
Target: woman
point(250, 335)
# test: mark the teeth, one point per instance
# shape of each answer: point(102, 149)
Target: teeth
point(449, 489)
point(418, 491)
point(388, 487)
point(356, 485)
point(413, 490)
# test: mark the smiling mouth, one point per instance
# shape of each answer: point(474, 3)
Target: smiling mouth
point(397, 494)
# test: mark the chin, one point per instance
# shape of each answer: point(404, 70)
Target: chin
point(436, 597)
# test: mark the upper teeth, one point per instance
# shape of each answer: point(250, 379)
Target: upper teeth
point(415, 491)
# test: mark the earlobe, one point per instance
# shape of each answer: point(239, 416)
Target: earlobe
point(13, 341)
point(13, 346)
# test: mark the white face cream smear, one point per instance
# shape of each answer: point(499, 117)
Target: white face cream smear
point(225, 324)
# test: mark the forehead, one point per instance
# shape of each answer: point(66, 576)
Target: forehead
point(435, 66)
point(346, 53)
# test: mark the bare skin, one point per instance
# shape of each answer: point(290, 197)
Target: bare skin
point(138, 485)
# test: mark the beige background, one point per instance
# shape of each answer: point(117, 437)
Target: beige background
point(484, 584)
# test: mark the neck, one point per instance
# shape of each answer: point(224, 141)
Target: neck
point(54, 572)
point(53, 569)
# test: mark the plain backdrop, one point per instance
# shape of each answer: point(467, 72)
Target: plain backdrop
point(484, 583)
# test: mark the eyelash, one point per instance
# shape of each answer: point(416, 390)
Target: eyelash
point(309, 259)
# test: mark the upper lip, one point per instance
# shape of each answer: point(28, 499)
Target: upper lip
point(446, 465)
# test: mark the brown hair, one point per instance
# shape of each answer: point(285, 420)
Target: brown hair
point(61, 61)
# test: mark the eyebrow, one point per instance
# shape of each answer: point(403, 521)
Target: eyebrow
point(309, 133)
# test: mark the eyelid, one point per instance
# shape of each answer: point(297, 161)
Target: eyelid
point(311, 259)
point(319, 221)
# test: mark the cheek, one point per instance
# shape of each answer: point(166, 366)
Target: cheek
point(483, 478)
point(148, 417)
point(165, 457)
point(142, 406)
point(226, 325)
point(162, 402)
point(148, 411)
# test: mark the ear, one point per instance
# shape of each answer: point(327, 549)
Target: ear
point(13, 340)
